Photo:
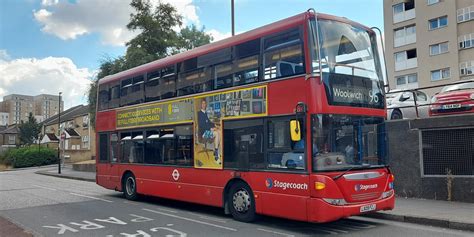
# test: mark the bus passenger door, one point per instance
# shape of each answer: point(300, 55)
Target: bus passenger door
point(283, 189)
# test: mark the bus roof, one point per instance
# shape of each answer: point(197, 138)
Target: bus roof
point(228, 42)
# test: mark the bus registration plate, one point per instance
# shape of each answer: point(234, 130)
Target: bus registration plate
point(367, 208)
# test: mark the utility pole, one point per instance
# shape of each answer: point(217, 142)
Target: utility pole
point(232, 14)
point(59, 133)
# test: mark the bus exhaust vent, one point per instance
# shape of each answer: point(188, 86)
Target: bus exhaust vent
point(447, 150)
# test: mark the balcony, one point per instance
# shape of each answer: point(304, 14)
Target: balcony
point(404, 16)
point(407, 64)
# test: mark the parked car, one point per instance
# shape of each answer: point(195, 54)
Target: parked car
point(453, 99)
point(401, 105)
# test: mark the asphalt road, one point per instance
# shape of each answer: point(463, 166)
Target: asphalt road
point(50, 206)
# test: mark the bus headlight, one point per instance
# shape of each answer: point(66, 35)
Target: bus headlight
point(387, 194)
point(337, 202)
point(472, 96)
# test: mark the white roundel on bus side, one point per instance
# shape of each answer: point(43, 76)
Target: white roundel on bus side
point(175, 175)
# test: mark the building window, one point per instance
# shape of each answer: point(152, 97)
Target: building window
point(440, 48)
point(467, 68)
point(465, 14)
point(438, 22)
point(403, 11)
point(466, 41)
point(85, 142)
point(440, 74)
point(407, 81)
point(405, 60)
point(11, 139)
point(405, 35)
point(431, 2)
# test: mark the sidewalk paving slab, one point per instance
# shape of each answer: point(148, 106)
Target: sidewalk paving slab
point(453, 215)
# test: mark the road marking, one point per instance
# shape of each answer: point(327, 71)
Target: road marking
point(168, 210)
point(189, 219)
point(127, 202)
point(210, 218)
point(43, 187)
point(95, 198)
point(275, 232)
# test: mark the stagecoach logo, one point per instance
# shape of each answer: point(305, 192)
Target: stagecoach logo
point(362, 187)
point(270, 183)
point(175, 175)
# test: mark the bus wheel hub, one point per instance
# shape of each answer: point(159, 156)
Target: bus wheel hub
point(241, 201)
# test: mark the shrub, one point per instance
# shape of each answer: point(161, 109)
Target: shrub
point(30, 156)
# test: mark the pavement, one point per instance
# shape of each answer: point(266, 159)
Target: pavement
point(452, 215)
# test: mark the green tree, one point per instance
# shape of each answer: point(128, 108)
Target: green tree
point(190, 37)
point(29, 130)
point(157, 39)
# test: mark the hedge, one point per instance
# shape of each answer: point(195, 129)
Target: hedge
point(30, 156)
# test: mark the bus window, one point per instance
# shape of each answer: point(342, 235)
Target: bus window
point(224, 76)
point(282, 152)
point(184, 144)
point(246, 70)
point(153, 148)
point(103, 148)
point(152, 91)
point(114, 93)
point(167, 138)
point(194, 82)
point(103, 97)
point(114, 147)
point(132, 147)
point(283, 55)
point(167, 83)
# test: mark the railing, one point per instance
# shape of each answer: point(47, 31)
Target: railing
point(415, 99)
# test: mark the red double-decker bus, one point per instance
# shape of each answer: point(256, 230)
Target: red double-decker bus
point(285, 120)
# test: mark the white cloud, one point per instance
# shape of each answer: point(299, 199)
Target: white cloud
point(4, 55)
point(49, 2)
point(108, 18)
point(217, 35)
point(31, 76)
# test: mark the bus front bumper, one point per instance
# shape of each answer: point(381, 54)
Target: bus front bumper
point(321, 211)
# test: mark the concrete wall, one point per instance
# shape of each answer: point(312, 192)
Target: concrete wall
point(405, 160)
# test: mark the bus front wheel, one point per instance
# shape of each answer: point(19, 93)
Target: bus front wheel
point(242, 202)
point(130, 187)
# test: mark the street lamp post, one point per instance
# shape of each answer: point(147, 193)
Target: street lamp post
point(232, 16)
point(59, 132)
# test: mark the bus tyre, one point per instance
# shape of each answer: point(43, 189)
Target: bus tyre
point(242, 202)
point(130, 187)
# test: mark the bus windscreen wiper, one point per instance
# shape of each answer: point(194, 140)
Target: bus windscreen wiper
point(345, 172)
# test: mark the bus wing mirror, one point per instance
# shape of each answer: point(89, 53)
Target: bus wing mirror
point(295, 130)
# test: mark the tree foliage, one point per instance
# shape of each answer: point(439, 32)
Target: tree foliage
point(158, 38)
point(29, 130)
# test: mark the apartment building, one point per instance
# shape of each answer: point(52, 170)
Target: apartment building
point(79, 135)
point(18, 107)
point(428, 42)
point(46, 106)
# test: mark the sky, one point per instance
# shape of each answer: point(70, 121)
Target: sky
point(48, 46)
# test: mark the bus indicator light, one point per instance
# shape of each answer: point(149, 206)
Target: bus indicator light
point(319, 186)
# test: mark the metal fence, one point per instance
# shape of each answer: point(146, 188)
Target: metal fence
point(414, 91)
point(446, 151)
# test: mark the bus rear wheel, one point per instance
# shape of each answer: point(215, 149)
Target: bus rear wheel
point(129, 187)
point(242, 202)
